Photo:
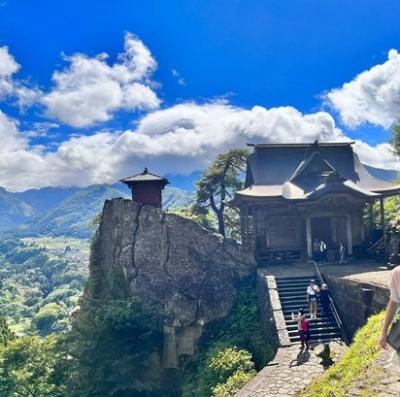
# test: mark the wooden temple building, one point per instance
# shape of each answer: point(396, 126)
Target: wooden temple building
point(297, 193)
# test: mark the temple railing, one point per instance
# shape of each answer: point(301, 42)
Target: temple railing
point(332, 304)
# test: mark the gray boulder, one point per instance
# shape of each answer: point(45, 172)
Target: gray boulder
point(171, 263)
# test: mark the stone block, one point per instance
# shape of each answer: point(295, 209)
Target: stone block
point(274, 299)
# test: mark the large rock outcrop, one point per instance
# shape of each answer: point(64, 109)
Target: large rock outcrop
point(171, 263)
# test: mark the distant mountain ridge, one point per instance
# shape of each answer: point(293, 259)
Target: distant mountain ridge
point(386, 175)
point(59, 211)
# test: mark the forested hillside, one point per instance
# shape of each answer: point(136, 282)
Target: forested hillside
point(40, 287)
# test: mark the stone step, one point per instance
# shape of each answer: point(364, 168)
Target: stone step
point(288, 317)
point(311, 275)
point(289, 309)
point(294, 302)
point(292, 288)
point(327, 336)
point(316, 331)
point(293, 283)
point(318, 341)
point(289, 279)
point(295, 295)
point(292, 293)
point(315, 325)
point(294, 307)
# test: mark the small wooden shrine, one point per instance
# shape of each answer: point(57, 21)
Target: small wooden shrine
point(146, 188)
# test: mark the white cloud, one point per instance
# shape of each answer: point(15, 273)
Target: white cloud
point(8, 65)
point(9, 87)
point(181, 139)
point(373, 96)
point(90, 90)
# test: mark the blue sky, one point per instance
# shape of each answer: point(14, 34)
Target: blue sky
point(211, 62)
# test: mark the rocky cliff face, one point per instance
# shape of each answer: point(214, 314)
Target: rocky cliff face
point(168, 262)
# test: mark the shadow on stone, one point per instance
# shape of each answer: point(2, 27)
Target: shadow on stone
point(326, 357)
point(302, 358)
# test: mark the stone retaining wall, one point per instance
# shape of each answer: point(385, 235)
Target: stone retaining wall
point(271, 311)
point(355, 300)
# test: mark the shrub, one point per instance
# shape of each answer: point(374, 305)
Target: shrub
point(47, 316)
point(233, 384)
point(229, 361)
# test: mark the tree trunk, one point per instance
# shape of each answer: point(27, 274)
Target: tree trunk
point(219, 212)
point(221, 224)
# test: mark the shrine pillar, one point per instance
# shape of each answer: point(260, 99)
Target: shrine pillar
point(309, 238)
point(349, 234)
point(383, 225)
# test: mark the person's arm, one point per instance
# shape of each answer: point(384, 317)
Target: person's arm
point(390, 312)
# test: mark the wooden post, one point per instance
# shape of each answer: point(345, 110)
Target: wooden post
point(382, 208)
point(243, 221)
point(371, 216)
point(309, 238)
point(333, 229)
point(349, 235)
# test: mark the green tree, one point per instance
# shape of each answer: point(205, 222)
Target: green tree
point(47, 317)
point(395, 138)
point(218, 184)
point(29, 368)
point(5, 333)
point(113, 347)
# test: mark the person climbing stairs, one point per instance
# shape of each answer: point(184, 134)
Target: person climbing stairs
point(292, 294)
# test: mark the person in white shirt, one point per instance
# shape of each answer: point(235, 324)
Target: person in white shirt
point(312, 291)
point(394, 300)
point(342, 253)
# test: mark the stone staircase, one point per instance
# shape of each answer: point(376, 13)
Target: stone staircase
point(292, 294)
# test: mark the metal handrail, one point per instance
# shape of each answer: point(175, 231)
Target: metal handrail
point(332, 304)
point(378, 243)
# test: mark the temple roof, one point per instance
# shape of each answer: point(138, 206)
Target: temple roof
point(307, 171)
point(145, 176)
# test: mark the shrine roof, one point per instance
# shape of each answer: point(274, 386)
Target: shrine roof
point(301, 171)
point(145, 176)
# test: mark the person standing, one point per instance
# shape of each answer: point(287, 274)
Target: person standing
point(322, 249)
point(342, 253)
point(316, 250)
point(303, 327)
point(392, 307)
point(324, 296)
point(312, 292)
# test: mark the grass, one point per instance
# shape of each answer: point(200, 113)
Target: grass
point(353, 369)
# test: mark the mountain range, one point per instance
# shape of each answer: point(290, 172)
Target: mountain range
point(69, 211)
point(58, 211)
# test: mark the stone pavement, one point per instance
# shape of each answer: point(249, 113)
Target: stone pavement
point(290, 371)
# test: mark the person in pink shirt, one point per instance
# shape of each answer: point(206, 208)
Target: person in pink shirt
point(394, 300)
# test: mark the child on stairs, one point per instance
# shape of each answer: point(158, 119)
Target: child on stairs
point(303, 326)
